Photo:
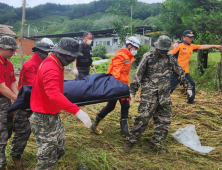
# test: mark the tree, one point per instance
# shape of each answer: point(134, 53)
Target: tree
point(100, 51)
point(141, 51)
point(202, 16)
point(122, 25)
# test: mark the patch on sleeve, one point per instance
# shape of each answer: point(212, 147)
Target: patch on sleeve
point(175, 45)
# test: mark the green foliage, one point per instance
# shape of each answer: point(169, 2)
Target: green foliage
point(142, 50)
point(16, 61)
point(96, 58)
point(207, 82)
point(55, 18)
point(203, 17)
point(100, 51)
point(122, 25)
point(101, 68)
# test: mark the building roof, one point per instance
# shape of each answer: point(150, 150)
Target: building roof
point(7, 30)
point(96, 33)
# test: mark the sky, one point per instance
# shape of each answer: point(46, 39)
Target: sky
point(32, 3)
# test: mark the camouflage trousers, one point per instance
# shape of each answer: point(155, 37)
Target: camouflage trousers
point(50, 139)
point(6, 125)
point(22, 131)
point(161, 113)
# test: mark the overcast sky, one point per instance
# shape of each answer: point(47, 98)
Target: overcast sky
point(32, 3)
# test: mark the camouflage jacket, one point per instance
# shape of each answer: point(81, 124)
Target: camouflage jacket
point(154, 72)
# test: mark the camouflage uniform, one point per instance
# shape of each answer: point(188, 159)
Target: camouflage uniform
point(6, 124)
point(153, 74)
point(6, 119)
point(22, 132)
point(47, 102)
point(22, 127)
point(50, 139)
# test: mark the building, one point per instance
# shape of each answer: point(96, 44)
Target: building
point(27, 44)
point(106, 37)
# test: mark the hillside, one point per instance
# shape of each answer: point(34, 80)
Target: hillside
point(53, 18)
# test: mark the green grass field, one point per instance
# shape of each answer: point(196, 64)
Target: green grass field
point(104, 152)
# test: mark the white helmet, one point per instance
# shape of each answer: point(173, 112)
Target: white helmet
point(48, 41)
point(134, 41)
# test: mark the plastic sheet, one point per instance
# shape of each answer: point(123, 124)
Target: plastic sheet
point(188, 137)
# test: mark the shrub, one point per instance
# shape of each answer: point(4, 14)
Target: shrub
point(100, 51)
point(142, 50)
point(96, 58)
point(16, 61)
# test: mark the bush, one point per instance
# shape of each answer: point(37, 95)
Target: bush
point(101, 68)
point(96, 58)
point(16, 61)
point(100, 51)
point(142, 50)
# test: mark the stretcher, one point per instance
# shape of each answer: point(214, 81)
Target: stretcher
point(93, 89)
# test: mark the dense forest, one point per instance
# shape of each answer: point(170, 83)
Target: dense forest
point(55, 18)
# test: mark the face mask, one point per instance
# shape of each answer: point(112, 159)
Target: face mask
point(134, 52)
point(64, 59)
point(88, 42)
point(43, 55)
point(162, 52)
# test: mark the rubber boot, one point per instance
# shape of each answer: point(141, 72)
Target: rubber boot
point(18, 160)
point(124, 127)
point(95, 126)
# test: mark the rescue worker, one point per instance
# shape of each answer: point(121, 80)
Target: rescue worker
point(21, 123)
point(47, 100)
point(8, 92)
point(183, 50)
point(81, 66)
point(119, 67)
point(153, 75)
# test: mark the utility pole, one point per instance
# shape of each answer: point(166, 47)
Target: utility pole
point(131, 34)
point(28, 30)
point(22, 31)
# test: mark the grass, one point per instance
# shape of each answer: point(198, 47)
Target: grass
point(208, 80)
point(104, 152)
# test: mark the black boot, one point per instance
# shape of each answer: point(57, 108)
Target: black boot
point(19, 160)
point(95, 126)
point(124, 127)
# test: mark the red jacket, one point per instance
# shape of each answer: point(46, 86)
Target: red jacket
point(29, 71)
point(7, 75)
point(120, 65)
point(47, 92)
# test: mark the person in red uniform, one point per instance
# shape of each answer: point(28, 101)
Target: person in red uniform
point(8, 92)
point(183, 50)
point(119, 67)
point(47, 100)
point(21, 123)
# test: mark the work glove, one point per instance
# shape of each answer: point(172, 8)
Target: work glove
point(189, 92)
point(93, 69)
point(84, 118)
point(75, 71)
